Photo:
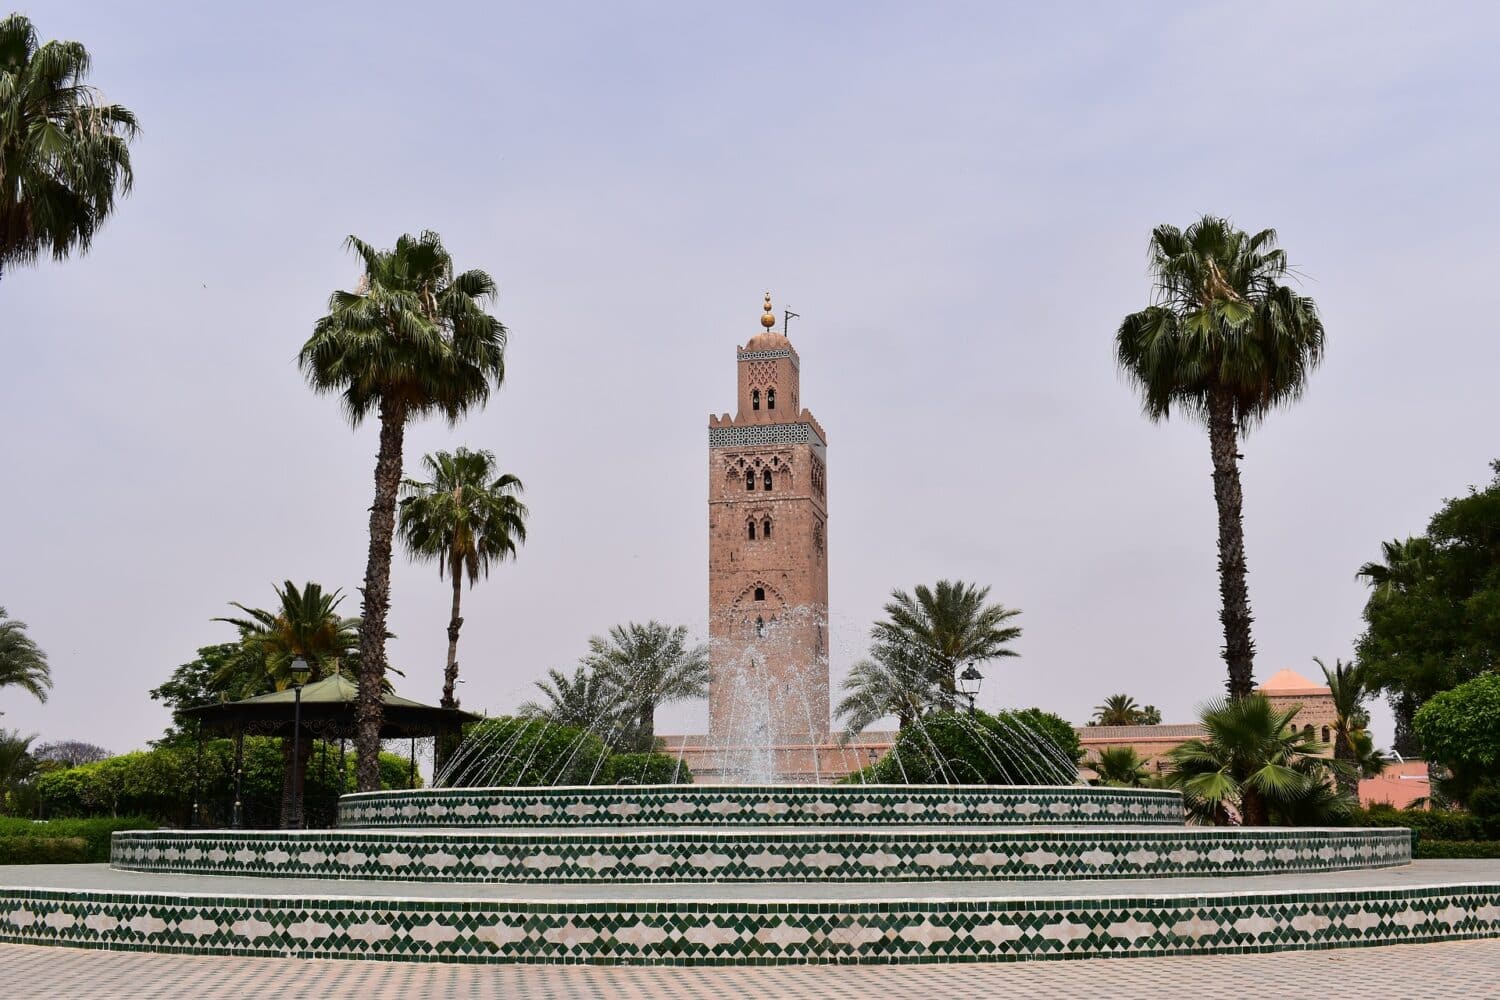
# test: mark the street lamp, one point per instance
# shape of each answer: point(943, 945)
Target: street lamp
point(968, 683)
point(300, 672)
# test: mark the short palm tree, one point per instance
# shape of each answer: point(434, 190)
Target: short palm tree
point(1346, 684)
point(304, 625)
point(648, 666)
point(936, 631)
point(412, 340)
point(22, 662)
point(1403, 564)
point(885, 684)
point(1120, 767)
point(467, 517)
point(64, 152)
point(1249, 760)
point(1117, 710)
point(587, 700)
point(1224, 343)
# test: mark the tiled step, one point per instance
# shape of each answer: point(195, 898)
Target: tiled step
point(94, 907)
point(762, 805)
point(838, 854)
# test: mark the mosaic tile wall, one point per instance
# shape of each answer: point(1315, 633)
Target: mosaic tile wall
point(747, 932)
point(761, 805)
point(754, 856)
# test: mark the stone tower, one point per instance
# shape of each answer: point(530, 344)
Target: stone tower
point(768, 555)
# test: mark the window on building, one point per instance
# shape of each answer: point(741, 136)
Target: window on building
point(760, 593)
point(1307, 731)
point(749, 479)
point(765, 528)
point(754, 399)
point(765, 480)
point(750, 529)
point(1325, 734)
point(760, 627)
point(770, 399)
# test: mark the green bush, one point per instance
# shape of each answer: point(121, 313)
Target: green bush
point(1029, 747)
point(164, 783)
point(43, 851)
point(1426, 849)
point(94, 833)
point(645, 769)
point(524, 751)
point(1435, 824)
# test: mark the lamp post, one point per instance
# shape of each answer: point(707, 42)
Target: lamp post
point(300, 672)
point(968, 683)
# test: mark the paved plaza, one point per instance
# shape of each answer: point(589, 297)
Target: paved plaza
point(1465, 969)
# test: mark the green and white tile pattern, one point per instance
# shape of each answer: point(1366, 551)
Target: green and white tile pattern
point(758, 855)
point(741, 932)
point(762, 805)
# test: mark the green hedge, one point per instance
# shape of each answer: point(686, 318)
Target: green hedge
point(1457, 848)
point(1007, 748)
point(1436, 824)
point(43, 851)
point(93, 834)
point(645, 769)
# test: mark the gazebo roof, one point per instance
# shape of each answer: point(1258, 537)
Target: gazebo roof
point(327, 712)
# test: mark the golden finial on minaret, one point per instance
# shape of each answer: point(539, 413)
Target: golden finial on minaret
point(769, 319)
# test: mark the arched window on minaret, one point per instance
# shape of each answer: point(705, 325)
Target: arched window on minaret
point(760, 627)
point(770, 399)
point(754, 399)
point(749, 479)
point(765, 528)
point(760, 593)
point(751, 529)
point(765, 479)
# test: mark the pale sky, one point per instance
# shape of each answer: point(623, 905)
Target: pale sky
point(955, 197)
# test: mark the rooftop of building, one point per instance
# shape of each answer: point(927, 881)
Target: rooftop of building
point(1289, 683)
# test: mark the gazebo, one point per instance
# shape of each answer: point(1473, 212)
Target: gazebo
point(326, 711)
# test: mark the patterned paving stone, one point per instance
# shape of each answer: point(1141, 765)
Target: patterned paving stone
point(1463, 970)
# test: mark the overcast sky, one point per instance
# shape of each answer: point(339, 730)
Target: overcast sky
point(955, 197)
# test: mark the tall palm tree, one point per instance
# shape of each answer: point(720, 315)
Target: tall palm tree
point(465, 518)
point(1224, 343)
point(587, 700)
point(64, 152)
point(1346, 683)
point(1249, 760)
point(22, 662)
point(412, 340)
point(886, 684)
point(1117, 710)
point(1403, 564)
point(938, 630)
point(649, 666)
point(304, 625)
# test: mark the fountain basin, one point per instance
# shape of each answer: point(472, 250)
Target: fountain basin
point(760, 854)
point(762, 805)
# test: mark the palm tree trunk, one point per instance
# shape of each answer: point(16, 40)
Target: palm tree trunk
point(1253, 809)
point(1239, 648)
point(1343, 750)
point(646, 732)
point(377, 597)
point(445, 743)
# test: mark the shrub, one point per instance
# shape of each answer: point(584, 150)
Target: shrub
point(1435, 824)
point(1009, 748)
point(43, 851)
point(1456, 849)
point(1461, 729)
point(645, 769)
point(527, 751)
point(94, 833)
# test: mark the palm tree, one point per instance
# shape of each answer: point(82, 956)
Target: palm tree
point(412, 340)
point(1346, 683)
point(648, 666)
point(22, 662)
point(587, 700)
point(940, 630)
point(1120, 767)
point(1117, 710)
point(1224, 343)
point(64, 153)
point(305, 625)
point(1405, 563)
point(1249, 760)
point(465, 518)
point(885, 684)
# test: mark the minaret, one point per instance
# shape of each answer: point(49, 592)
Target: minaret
point(768, 555)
